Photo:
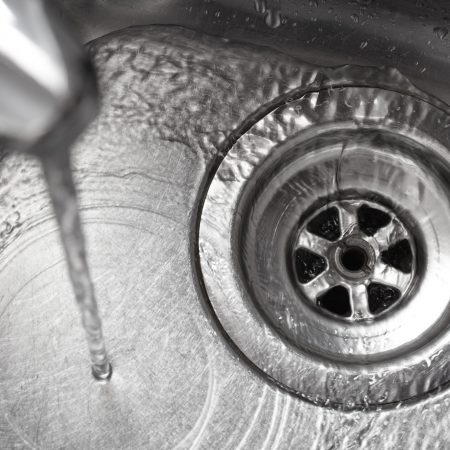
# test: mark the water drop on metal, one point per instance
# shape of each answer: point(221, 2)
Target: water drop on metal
point(440, 32)
point(273, 18)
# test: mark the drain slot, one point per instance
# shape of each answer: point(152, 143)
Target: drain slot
point(382, 297)
point(326, 225)
point(370, 219)
point(308, 265)
point(336, 300)
point(399, 256)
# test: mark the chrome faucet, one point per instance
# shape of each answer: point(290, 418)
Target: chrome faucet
point(47, 87)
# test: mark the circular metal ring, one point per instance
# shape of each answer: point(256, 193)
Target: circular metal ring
point(343, 146)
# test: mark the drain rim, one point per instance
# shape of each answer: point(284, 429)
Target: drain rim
point(293, 361)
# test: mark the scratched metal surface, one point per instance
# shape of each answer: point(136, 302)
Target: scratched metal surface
point(170, 99)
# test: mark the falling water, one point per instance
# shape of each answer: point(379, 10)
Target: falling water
point(58, 174)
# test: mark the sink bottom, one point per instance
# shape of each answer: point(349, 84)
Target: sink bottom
point(173, 101)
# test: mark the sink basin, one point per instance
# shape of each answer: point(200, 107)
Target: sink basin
point(199, 100)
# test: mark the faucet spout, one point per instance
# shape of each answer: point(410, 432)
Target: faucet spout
point(47, 87)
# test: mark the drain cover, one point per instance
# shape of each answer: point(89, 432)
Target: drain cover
point(354, 259)
point(324, 246)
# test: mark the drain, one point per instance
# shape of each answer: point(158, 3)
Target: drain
point(353, 259)
point(324, 246)
point(360, 243)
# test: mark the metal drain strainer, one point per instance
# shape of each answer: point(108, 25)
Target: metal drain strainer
point(354, 259)
point(325, 247)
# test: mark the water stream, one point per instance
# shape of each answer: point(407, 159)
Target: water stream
point(58, 175)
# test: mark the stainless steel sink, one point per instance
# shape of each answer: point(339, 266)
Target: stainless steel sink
point(218, 119)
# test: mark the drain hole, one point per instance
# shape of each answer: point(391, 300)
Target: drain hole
point(399, 256)
point(370, 220)
point(336, 300)
point(326, 224)
point(308, 265)
point(353, 258)
point(381, 297)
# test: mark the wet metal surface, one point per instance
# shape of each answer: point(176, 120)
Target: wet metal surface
point(170, 100)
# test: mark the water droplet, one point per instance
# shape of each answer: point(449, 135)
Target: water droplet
point(7, 227)
point(260, 6)
point(440, 32)
point(273, 18)
point(350, 404)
